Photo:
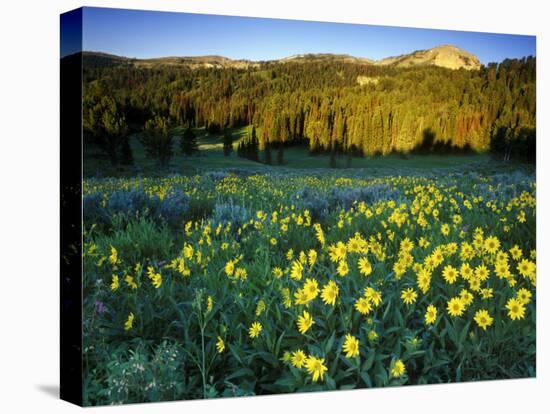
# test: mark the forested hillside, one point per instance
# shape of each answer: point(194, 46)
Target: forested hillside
point(330, 103)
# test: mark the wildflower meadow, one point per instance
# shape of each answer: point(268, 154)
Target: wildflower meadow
point(248, 282)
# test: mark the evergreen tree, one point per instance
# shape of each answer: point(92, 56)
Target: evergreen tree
point(254, 147)
point(126, 155)
point(241, 149)
point(227, 142)
point(188, 143)
point(106, 125)
point(267, 153)
point(158, 140)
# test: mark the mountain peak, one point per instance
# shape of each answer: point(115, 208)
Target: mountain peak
point(446, 56)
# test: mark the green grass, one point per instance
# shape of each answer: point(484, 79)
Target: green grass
point(211, 157)
point(299, 158)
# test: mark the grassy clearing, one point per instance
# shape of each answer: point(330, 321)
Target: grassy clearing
point(211, 157)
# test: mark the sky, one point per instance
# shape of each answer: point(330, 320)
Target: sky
point(71, 32)
point(147, 34)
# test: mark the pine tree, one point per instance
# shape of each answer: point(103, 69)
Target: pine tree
point(126, 155)
point(241, 149)
point(254, 148)
point(227, 142)
point(106, 125)
point(188, 143)
point(158, 140)
point(267, 153)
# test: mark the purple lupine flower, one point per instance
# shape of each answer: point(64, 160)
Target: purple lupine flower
point(99, 307)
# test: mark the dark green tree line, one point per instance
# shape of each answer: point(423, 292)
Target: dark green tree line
point(325, 102)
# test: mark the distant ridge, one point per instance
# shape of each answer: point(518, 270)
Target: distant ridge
point(207, 61)
point(326, 57)
point(446, 56)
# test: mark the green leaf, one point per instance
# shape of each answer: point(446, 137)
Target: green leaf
point(235, 352)
point(366, 379)
point(269, 358)
point(278, 344)
point(243, 372)
point(330, 343)
point(464, 332)
point(369, 361)
point(331, 384)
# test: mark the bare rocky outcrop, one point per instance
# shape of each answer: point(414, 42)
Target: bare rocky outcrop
point(446, 56)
